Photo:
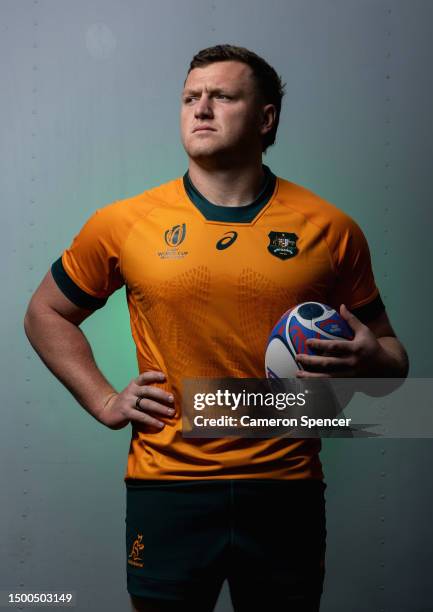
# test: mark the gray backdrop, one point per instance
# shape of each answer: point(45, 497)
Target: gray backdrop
point(89, 100)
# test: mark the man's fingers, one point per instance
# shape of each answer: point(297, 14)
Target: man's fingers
point(154, 393)
point(147, 398)
point(335, 374)
point(318, 363)
point(354, 323)
point(330, 347)
point(149, 377)
point(142, 409)
point(305, 374)
point(145, 419)
point(148, 405)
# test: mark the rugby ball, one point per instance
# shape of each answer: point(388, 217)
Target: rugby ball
point(288, 337)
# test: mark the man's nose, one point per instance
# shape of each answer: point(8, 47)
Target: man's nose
point(203, 107)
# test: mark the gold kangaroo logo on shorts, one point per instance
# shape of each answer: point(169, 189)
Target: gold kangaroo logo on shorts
point(134, 556)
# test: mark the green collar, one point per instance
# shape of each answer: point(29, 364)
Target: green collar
point(234, 214)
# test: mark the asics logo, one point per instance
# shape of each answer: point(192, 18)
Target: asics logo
point(227, 240)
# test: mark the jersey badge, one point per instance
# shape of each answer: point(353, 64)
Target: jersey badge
point(282, 244)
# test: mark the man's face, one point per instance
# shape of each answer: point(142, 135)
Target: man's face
point(221, 114)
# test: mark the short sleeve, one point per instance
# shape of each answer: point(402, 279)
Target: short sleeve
point(355, 283)
point(88, 272)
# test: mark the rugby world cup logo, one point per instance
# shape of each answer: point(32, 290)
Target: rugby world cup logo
point(176, 235)
point(173, 238)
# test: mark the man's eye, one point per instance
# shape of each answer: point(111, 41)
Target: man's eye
point(189, 99)
point(223, 96)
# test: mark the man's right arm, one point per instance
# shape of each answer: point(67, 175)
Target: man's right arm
point(52, 324)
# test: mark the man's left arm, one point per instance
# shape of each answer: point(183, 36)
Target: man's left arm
point(374, 352)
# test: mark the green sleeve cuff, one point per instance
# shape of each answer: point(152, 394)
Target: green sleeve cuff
point(72, 291)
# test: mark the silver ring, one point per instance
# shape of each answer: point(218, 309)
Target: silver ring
point(137, 402)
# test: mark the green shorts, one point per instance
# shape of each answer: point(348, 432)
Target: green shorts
point(266, 537)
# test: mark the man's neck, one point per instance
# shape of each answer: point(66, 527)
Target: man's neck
point(235, 186)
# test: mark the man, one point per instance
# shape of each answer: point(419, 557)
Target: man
point(204, 287)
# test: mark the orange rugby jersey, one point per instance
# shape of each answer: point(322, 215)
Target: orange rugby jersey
point(205, 285)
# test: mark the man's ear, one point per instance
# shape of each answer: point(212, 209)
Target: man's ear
point(269, 114)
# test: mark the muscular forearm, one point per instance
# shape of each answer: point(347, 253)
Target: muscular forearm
point(64, 349)
point(393, 360)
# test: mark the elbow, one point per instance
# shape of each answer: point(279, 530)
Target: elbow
point(405, 364)
point(27, 322)
point(26, 319)
point(29, 318)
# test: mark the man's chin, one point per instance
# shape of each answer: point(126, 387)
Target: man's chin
point(202, 150)
point(210, 156)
